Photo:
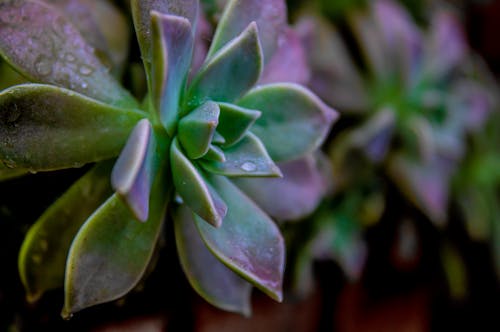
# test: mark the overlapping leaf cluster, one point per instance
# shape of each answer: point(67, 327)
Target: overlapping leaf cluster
point(179, 151)
point(411, 104)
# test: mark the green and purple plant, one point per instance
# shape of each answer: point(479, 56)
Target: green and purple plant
point(192, 150)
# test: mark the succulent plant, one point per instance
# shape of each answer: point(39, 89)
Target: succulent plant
point(409, 103)
point(191, 150)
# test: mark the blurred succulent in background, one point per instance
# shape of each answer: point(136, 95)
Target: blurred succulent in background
point(409, 105)
point(191, 150)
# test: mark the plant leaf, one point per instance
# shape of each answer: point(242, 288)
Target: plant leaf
point(111, 251)
point(215, 153)
point(42, 258)
point(295, 195)
point(11, 173)
point(72, 128)
point(172, 52)
point(197, 129)
point(234, 122)
point(230, 72)
point(247, 158)
point(141, 12)
point(135, 169)
point(248, 242)
point(270, 17)
point(51, 50)
point(211, 279)
point(192, 188)
point(294, 122)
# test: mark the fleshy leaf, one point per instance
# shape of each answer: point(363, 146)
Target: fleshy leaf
point(294, 122)
point(424, 183)
point(111, 251)
point(11, 173)
point(247, 158)
point(42, 258)
point(239, 63)
point(141, 11)
point(71, 128)
point(211, 279)
point(51, 50)
point(234, 122)
point(197, 129)
point(291, 197)
point(270, 17)
point(134, 171)
point(194, 191)
point(290, 54)
point(248, 241)
point(172, 52)
point(101, 24)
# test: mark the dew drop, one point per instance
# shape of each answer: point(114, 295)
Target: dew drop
point(37, 259)
point(43, 66)
point(84, 85)
point(69, 57)
point(248, 166)
point(44, 245)
point(85, 70)
point(13, 115)
point(9, 163)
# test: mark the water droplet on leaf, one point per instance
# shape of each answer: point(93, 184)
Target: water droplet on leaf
point(248, 166)
point(86, 70)
point(43, 66)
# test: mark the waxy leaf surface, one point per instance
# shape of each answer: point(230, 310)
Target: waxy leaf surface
point(215, 282)
point(197, 129)
point(43, 127)
point(172, 51)
point(135, 169)
point(51, 50)
point(141, 12)
point(230, 72)
point(294, 122)
point(247, 158)
point(269, 15)
point(248, 241)
point(111, 251)
point(42, 258)
point(234, 122)
point(191, 186)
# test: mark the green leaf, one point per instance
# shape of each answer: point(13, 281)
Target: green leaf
point(215, 153)
point(71, 128)
point(42, 258)
point(192, 188)
point(248, 242)
point(269, 15)
point(141, 12)
point(211, 279)
point(230, 72)
point(247, 158)
point(234, 122)
point(172, 52)
point(197, 129)
point(11, 173)
point(135, 169)
point(51, 50)
point(111, 251)
point(294, 122)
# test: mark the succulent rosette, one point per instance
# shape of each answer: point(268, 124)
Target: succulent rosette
point(190, 150)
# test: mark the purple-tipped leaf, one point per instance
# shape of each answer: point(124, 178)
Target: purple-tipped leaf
point(141, 12)
point(248, 241)
point(42, 257)
point(172, 43)
point(289, 63)
point(191, 186)
point(230, 72)
point(269, 15)
point(247, 158)
point(294, 122)
point(295, 195)
point(111, 251)
point(135, 169)
point(211, 279)
point(43, 127)
point(234, 122)
point(51, 50)
point(197, 129)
